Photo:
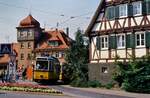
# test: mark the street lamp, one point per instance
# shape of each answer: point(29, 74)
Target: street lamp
point(12, 67)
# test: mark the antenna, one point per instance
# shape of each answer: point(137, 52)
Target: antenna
point(30, 7)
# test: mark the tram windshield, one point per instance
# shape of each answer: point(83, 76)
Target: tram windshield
point(42, 65)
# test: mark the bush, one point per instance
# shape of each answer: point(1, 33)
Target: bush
point(109, 85)
point(79, 83)
point(94, 83)
point(135, 75)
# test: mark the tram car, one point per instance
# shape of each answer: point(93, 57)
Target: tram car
point(46, 68)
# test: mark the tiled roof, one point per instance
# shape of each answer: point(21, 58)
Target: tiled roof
point(54, 35)
point(29, 21)
point(6, 58)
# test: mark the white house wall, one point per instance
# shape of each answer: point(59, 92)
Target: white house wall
point(104, 54)
point(121, 53)
point(140, 52)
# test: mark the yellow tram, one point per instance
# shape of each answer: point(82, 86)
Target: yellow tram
point(46, 68)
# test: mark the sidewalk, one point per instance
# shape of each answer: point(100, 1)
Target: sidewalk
point(111, 92)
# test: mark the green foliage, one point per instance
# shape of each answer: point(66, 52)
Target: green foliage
point(76, 69)
point(135, 75)
point(109, 85)
point(94, 84)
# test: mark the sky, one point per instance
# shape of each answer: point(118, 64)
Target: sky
point(67, 13)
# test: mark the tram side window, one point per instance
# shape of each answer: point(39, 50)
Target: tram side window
point(51, 66)
point(42, 65)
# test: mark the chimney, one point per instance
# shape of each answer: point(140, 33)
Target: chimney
point(67, 31)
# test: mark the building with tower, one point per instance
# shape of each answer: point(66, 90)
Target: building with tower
point(119, 28)
point(34, 41)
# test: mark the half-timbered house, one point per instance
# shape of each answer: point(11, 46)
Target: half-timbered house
point(119, 29)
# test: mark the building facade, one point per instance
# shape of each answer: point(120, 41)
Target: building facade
point(33, 41)
point(119, 29)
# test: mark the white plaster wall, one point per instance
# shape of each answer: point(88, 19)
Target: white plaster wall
point(129, 53)
point(112, 23)
point(96, 27)
point(102, 61)
point(138, 19)
point(93, 62)
point(140, 52)
point(126, 23)
point(104, 54)
point(103, 26)
point(113, 54)
point(132, 22)
point(107, 25)
point(121, 21)
point(121, 53)
point(111, 61)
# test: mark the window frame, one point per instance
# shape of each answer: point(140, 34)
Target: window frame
point(104, 41)
point(125, 14)
point(120, 41)
point(140, 39)
point(133, 8)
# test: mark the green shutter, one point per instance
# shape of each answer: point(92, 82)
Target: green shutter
point(144, 3)
point(98, 43)
point(148, 7)
point(147, 39)
point(130, 41)
point(130, 10)
point(117, 11)
point(112, 42)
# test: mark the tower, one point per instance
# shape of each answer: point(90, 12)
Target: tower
point(28, 34)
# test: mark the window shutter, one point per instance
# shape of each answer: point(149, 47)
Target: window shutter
point(130, 41)
point(144, 3)
point(112, 42)
point(107, 13)
point(117, 11)
point(148, 6)
point(130, 10)
point(98, 43)
point(147, 39)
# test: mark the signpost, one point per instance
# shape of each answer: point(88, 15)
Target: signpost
point(11, 68)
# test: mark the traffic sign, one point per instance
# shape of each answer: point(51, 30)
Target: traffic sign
point(5, 48)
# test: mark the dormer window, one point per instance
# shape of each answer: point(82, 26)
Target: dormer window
point(53, 43)
point(123, 10)
point(137, 8)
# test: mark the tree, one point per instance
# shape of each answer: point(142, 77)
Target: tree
point(135, 75)
point(77, 58)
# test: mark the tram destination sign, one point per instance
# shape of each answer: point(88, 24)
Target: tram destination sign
point(5, 48)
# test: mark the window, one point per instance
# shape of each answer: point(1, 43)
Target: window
point(104, 42)
point(57, 54)
point(140, 39)
point(22, 45)
point(123, 10)
point(110, 12)
point(53, 43)
point(137, 8)
point(104, 70)
point(29, 45)
point(121, 41)
point(29, 56)
point(29, 34)
point(22, 56)
point(61, 54)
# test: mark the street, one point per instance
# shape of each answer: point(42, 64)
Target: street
point(26, 95)
point(77, 93)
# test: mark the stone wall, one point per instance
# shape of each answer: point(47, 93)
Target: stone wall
point(101, 72)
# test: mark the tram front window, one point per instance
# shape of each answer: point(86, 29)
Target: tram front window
point(42, 65)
